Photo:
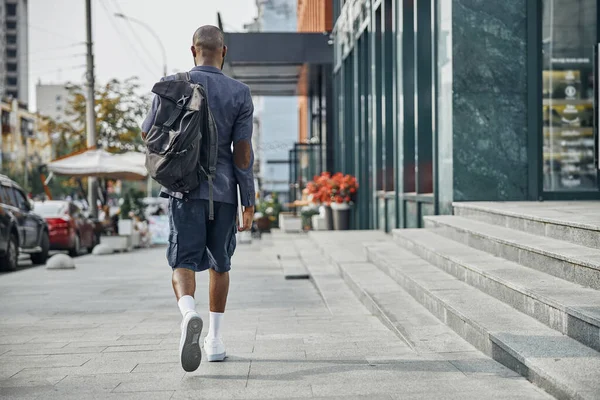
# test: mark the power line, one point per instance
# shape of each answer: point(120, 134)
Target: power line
point(21, 57)
point(69, 46)
point(135, 35)
point(37, 28)
point(75, 67)
point(132, 47)
point(59, 58)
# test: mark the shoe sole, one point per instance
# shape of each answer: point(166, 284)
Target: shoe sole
point(191, 355)
point(216, 357)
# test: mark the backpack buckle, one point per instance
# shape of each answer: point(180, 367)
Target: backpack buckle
point(181, 102)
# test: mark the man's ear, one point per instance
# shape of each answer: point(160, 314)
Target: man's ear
point(224, 51)
point(193, 48)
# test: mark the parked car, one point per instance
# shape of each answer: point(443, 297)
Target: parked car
point(69, 228)
point(21, 230)
point(85, 211)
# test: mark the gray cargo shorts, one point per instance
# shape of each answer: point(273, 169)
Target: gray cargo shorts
point(195, 242)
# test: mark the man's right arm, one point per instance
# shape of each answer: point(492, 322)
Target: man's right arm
point(149, 121)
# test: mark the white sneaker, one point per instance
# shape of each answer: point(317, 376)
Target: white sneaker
point(215, 349)
point(189, 346)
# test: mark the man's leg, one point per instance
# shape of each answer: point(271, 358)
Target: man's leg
point(184, 286)
point(184, 282)
point(220, 243)
point(187, 244)
point(218, 291)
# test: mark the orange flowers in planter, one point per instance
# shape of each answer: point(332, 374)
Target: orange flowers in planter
point(338, 188)
point(344, 188)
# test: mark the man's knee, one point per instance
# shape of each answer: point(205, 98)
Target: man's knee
point(219, 274)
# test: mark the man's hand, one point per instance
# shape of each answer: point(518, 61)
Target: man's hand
point(248, 216)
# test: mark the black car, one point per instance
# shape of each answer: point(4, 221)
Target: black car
point(21, 230)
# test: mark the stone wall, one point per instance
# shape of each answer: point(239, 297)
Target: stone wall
point(489, 46)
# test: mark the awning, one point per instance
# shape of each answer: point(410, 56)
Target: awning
point(101, 164)
point(270, 63)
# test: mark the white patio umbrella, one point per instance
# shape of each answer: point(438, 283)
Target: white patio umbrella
point(101, 164)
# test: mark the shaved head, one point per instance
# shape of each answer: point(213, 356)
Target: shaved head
point(209, 39)
point(208, 46)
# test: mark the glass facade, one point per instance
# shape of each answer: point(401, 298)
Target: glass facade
point(385, 113)
point(569, 32)
point(499, 110)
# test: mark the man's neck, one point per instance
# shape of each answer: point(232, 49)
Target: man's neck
point(208, 63)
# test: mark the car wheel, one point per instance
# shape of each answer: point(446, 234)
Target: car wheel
point(10, 260)
point(41, 257)
point(76, 250)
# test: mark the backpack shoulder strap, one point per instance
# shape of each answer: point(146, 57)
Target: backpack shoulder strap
point(183, 76)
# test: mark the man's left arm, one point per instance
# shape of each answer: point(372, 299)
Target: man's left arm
point(243, 155)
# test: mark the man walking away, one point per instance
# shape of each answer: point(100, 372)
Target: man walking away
point(197, 243)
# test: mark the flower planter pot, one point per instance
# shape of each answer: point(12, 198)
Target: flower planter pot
point(290, 223)
point(264, 224)
point(125, 227)
point(341, 216)
point(328, 218)
point(319, 223)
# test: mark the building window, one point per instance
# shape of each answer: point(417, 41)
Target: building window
point(26, 127)
point(11, 67)
point(58, 98)
point(5, 119)
point(11, 53)
point(568, 95)
point(11, 81)
point(11, 39)
point(11, 10)
point(11, 25)
point(12, 94)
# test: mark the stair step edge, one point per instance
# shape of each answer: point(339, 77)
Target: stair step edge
point(572, 310)
point(557, 385)
point(471, 227)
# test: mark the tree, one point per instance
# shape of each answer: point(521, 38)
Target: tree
point(119, 112)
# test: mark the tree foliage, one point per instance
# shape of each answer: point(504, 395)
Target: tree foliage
point(119, 112)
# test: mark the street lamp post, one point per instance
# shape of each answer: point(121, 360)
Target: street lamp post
point(164, 57)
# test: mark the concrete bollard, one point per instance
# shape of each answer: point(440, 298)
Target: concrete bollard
point(102, 249)
point(60, 261)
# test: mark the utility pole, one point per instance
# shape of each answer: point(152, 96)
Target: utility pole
point(90, 112)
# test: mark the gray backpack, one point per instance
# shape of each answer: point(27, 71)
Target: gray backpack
point(181, 146)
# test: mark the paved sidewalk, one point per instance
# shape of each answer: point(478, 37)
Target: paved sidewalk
point(110, 330)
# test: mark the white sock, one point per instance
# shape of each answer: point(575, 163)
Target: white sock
point(214, 329)
point(186, 304)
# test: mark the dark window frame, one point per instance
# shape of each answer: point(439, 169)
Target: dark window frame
point(11, 10)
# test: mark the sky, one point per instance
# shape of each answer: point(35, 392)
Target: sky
point(122, 50)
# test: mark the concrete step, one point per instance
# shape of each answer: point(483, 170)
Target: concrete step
point(561, 305)
point(569, 261)
point(575, 222)
point(399, 311)
point(557, 363)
